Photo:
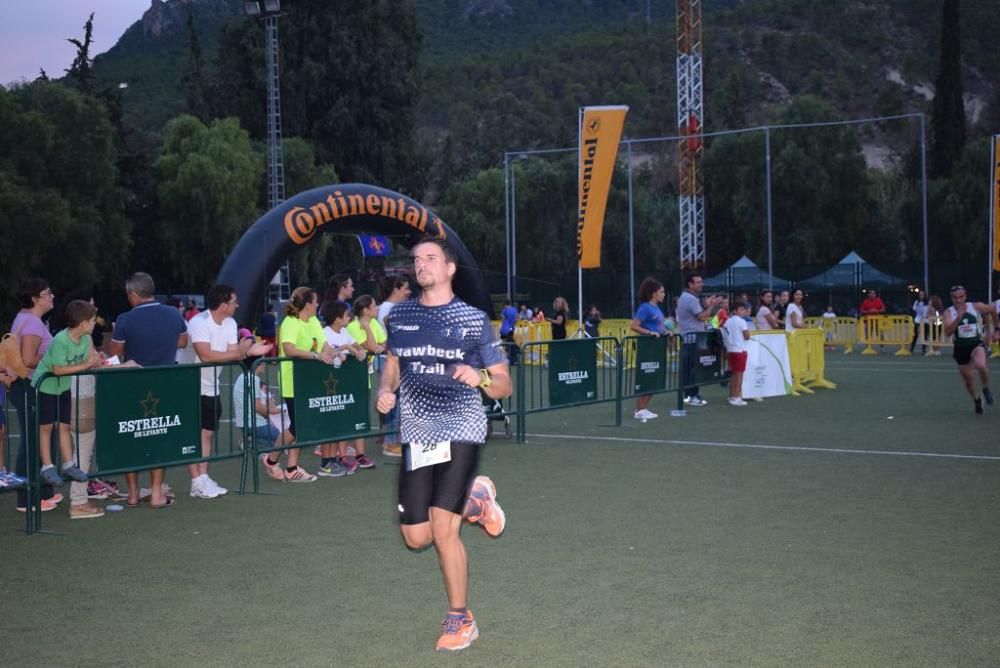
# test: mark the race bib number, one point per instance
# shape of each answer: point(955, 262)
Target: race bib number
point(419, 455)
point(968, 331)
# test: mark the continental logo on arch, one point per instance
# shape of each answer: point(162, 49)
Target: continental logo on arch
point(301, 223)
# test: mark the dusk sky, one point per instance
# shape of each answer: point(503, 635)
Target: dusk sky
point(33, 32)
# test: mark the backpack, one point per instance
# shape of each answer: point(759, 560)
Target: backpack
point(10, 355)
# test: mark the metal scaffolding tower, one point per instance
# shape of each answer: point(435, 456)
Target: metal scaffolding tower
point(275, 156)
point(690, 147)
point(280, 288)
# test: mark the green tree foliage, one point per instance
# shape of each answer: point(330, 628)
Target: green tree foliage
point(960, 206)
point(474, 209)
point(209, 184)
point(348, 80)
point(823, 197)
point(60, 201)
point(948, 120)
point(311, 264)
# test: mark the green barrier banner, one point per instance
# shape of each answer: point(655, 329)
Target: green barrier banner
point(148, 417)
point(572, 371)
point(330, 400)
point(650, 364)
point(708, 356)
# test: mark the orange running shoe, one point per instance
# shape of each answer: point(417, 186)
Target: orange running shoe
point(492, 518)
point(457, 632)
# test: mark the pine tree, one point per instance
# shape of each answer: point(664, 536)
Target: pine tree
point(948, 119)
point(82, 67)
point(193, 81)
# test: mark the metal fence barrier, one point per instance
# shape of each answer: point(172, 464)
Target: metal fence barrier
point(147, 418)
point(564, 374)
point(319, 404)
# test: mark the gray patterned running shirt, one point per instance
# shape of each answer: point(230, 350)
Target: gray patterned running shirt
point(429, 341)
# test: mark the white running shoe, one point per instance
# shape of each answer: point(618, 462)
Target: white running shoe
point(216, 486)
point(200, 490)
point(736, 401)
point(650, 414)
point(697, 401)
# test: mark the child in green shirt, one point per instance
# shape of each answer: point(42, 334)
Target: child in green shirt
point(71, 351)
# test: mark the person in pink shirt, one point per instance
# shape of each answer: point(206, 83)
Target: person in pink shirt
point(36, 299)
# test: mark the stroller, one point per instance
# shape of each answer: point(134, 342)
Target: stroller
point(495, 413)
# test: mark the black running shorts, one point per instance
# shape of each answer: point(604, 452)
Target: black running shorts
point(963, 354)
point(444, 486)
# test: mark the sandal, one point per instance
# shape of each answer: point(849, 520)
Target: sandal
point(171, 501)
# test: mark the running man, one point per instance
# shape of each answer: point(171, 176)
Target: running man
point(961, 321)
point(441, 354)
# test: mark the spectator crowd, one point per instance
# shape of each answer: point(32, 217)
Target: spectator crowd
point(44, 381)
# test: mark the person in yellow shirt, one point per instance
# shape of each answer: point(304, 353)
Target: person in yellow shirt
point(300, 337)
point(367, 332)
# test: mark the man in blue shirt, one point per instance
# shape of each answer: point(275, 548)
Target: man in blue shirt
point(507, 323)
point(149, 335)
point(442, 355)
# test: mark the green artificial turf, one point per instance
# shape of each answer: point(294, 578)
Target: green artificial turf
point(676, 542)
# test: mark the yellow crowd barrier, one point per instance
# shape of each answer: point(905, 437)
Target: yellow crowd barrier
point(526, 331)
point(806, 355)
point(931, 334)
point(837, 331)
point(885, 330)
point(994, 345)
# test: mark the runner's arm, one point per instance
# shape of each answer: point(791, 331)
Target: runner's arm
point(949, 324)
point(388, 384)
point(987, 310)
point(501, 386)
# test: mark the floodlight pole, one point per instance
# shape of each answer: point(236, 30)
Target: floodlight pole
point(579, 260)
point(506, 221)
point(279, 289)
point(991, 253)
point(767, 170)
point(923, 199)
point(631, 237)
point(513, 227)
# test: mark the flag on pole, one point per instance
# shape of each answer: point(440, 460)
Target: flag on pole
point(374, 245)
point(600, 133)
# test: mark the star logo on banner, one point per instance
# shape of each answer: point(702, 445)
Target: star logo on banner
point(376, 245)
point(149, 405)
point(594, 125)
point(331, 385)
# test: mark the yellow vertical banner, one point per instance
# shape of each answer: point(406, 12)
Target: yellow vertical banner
point(600, 133)
point(996, 206)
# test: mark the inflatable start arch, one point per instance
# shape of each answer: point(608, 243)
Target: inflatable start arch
point(352, 208)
